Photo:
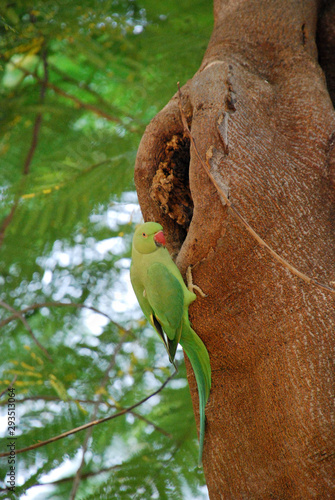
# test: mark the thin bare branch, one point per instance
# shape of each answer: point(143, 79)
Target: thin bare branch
point(38, 119)
point(84, 476)
point(84, 86)
point(31, 151)
point(87, 401)
point(240, 217)
point(91, 424)
point(78, 102)
point(115, 467)
point(85, 105)
point(63, 304)
point(149, 422)
point(21, 317)
point(7, 389)
point(7, 220)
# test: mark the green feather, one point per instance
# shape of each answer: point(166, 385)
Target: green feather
point(198, 356)
point(164, 300)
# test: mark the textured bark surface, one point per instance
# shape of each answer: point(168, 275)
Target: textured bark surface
point(260, 98)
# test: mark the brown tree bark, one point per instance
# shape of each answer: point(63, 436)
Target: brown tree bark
point(260, 99)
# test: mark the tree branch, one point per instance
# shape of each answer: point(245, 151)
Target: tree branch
point(86, 401)
point(84, 105)
point(84, 476)
point(26, 167)
point(7, 220)
point(84, 86)
point(38, 119)
point(7, 388)
point(76, 100)
point(62, 304)
point(93, 423)
point(20, 316)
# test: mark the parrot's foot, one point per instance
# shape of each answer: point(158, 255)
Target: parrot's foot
point(190, 284)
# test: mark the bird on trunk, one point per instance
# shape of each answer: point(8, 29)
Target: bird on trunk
point(164, 300)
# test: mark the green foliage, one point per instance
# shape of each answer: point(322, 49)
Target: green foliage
point(78, 83)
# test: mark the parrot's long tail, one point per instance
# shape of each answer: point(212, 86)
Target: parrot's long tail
point(198, 356)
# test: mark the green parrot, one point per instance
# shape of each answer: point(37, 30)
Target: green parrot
point(165, 299)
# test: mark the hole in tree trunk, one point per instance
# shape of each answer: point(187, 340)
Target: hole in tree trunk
point(170, 187)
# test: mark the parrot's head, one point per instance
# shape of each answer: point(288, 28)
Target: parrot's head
point(148, 237)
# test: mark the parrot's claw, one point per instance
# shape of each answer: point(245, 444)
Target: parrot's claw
point(190, 284)
point(198, 289)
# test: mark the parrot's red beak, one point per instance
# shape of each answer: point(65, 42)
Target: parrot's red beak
point(160, 239)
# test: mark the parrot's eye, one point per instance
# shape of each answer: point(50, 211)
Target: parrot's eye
point(144, 235)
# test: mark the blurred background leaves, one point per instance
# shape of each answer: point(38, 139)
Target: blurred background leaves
point(79, 82)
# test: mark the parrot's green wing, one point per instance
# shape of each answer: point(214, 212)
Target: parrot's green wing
point(166, 298)
point(140, 293)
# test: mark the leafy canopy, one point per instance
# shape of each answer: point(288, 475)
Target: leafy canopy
point(79, 82)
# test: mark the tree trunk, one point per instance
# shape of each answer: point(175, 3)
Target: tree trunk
point(260, 99)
